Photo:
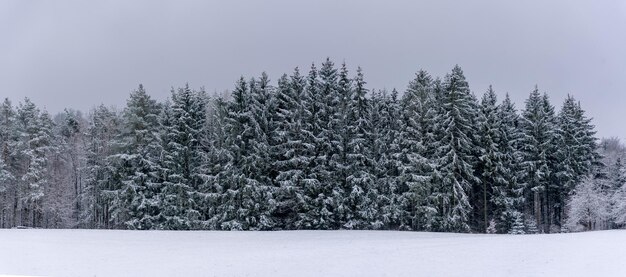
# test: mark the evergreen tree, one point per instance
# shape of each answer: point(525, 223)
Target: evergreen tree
point(362, 199)
point(289, 149)
point(385, 140)
point(536, 144)
point(455, 165)
point(510, 199)
point(576, 151)
point(491, 167)
point(309, 213)
point(183, 156)
point(327, 196)
point(260, 162)
point(340, 133)
point(215, 168)
point(138, 205)
point(414, 179)
point(240, 207)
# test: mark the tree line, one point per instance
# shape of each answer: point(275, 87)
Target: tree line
point(314, 151)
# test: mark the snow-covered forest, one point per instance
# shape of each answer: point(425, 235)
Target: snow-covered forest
point(314, 150)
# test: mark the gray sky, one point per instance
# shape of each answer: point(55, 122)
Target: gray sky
point(82, 53)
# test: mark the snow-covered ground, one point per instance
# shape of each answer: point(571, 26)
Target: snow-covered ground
point(308, 253)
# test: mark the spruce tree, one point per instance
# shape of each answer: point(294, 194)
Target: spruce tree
point(289, 149)
point(183, 124)
point(215, 168)
point(491, 161)
point(240, 208)
point(328, 197)
point(414, 179)
point(138, 204)
point(510, 197)
point(385, 140)
point(264, 110)
point(536, 144)
point(454, 156)
point(363, 197)
point(308, 210)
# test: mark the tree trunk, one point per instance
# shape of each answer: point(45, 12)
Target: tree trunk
point(537, 204)
point(485, 206)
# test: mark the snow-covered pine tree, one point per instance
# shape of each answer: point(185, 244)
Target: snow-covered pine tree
point(215, 168)
point(511, 197)
point(385, 144)
point(183, 125)
point(553, 190)
point(308, 211)
point(454, 155)
point(573, 163)
point(534, 145)
point(289, 149)
point(264, 110)
point(493, 172)
point(363, 197)
point(239, 208)
point(414, 172)
point(138, 206)
point(518, 227)
point(328, 196)
point(588, 150)
point(341, 134)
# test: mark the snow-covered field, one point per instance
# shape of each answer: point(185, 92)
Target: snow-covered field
point(308, 253)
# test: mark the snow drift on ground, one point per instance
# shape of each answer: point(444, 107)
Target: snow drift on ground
point(308, 253)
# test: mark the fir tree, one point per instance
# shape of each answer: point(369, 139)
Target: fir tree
point(308, 213)
point(183, 124)
point(289, 149)
point(535, 144)
point(491, 167)
point(511, 197)
point(138, 206)
point(385, 140)
point(240, 204)
point(328, 196)
point(414, 179)
point(362, 199)
point(455, 165)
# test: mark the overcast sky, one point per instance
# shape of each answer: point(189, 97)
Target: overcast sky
point(82, 53)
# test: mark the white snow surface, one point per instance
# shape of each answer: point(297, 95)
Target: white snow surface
point(308, 253)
